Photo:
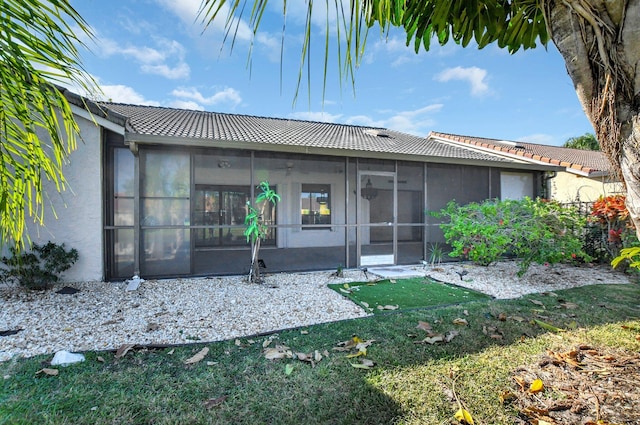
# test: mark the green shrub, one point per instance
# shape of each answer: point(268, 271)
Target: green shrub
point(538, 231)
point(40, 267)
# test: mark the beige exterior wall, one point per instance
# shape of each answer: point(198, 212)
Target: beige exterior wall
point(569, 187)
point(77, 221)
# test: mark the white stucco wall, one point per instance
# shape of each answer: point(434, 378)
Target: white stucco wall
point(79, 208)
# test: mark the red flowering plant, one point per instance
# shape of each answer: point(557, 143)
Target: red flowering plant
point(610, 216)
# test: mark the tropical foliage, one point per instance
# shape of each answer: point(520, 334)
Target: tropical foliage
point(257, 229)
point(39, 42)
point(540, 231)
point(586, 142)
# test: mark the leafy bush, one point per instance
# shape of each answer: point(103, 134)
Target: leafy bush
point(40, 267)
point(538, 231)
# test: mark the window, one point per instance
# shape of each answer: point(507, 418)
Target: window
point(315, 206)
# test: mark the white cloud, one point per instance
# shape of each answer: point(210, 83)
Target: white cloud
point(315, 116)
point(364, 120)
point(475, 76)
point(226, 96)
point(166, 58)
point(186, 104)
point(541, 138)
point(392, 49)
point(187, 11)
point(124, 94)
point(180, 71)
point(417, 121)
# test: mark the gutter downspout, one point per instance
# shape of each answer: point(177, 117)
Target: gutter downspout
point(546, 186)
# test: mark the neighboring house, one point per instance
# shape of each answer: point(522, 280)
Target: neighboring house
point(162, 192)
point(586, 175)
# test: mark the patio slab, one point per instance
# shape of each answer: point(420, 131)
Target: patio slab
point(396, 272)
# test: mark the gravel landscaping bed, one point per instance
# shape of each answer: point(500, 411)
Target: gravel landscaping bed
point(103, 316)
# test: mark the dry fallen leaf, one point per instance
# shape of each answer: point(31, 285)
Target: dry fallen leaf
point(464, 417)
point(48, 372)
point(520, 381)
point(425, 326)
point(536, 386)
point(536, 302)
point(198, 356)
point(502, 317)
point(364, 364)
point(100, 359)
point(388, 307)
point(450, 335)
point(460, 321)
point(507, 396)
point(278, 352)
point(123, 350)
point(431, 339)
point(348, 345)
point(214, 402)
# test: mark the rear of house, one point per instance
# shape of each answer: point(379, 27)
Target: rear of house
point(161, 192)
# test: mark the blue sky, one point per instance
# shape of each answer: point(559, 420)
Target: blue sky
point(155, 52)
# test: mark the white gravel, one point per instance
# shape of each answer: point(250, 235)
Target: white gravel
point(103, 316)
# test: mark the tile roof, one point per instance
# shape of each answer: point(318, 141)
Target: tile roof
point(590, 163)
point(179, 125)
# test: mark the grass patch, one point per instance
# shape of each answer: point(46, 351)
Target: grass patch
point(410, 383)
point(406, 293)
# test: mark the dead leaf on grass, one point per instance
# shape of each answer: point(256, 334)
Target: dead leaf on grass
point(507, 397)
point(519, 319)
point(198, 356)
point(278, 352)
point(100, 359)
point(388, 307)
point(502, 317)
point(536, 386)
point(461, 322)
point(431, 339)
point(364, 364)
point(536, 302)
point(214, 402)
point(48, 372)
point(464, 417)
point(425, 326)
point(123, 350)
point(569, 305)
point(450, 335)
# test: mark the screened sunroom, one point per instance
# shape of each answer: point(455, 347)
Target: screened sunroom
point(180, 210)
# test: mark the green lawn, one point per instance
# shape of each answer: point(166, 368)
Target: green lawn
point(406, 294)
point(410, 382)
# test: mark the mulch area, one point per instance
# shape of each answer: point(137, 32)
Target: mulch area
point(583, 385)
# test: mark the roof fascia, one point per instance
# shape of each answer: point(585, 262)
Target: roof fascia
point(143, 139)
point(517, 157)
point(109, 125)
